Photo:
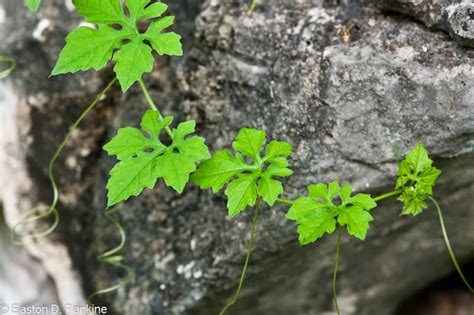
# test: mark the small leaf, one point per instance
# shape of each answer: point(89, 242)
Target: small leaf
point(153, 11)
point(249, 142)
point(313, 219)
point(216, 172)
point(194, 147)
point(175, 169)
point(133, 60)
point(356, 219)
point(241, 193)
point(136, 8)
point(167, 44)
point(87, 48)
point(278, 148)
point(152, 124)
point(416, 178)
point(101, 11)
point(33, 5)
point(128, 142)
point(129, 177)
point(269, 189)
point(317, 213)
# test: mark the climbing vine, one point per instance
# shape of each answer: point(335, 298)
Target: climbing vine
point(252, 173)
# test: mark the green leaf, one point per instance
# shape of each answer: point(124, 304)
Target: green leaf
point(314, 220)
point(416, 178)
point(144, 159)
point(194, 147)
point(219, 170)
point(241, 193)
point(153, 11)
point(152, 124)
point(278, 148)
point(101, 11)
point(235, 170)
point(132, 61)
point(129, 177)
point(128, 142)
point(269, 189)
point(136, 8)
point(357, 220)
point(87, 48)
point(175, 169)
point(33, 5)
point(317, 213)
point(250, 142)
point(167, 44)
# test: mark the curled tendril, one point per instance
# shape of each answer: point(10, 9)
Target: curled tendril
point(11, 67)
point(113, 258)
point(43, 212)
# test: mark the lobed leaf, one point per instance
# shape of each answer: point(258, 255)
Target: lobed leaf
point(132, 61)
point(238, 173)
point(318, 213)
point(89, 48)
point(241, 193)
point(416, 178)
point(144, 159)
point(33, 5)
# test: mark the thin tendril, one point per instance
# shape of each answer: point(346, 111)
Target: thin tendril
point(37, 213)
point(448, 244)
point(111, 258)
point(336, 266)
point(9, 70)
point(252, 7)
point(247, 259)
point(153, 106)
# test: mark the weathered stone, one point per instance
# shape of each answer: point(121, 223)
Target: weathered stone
point(343, 101)
point(455, 17)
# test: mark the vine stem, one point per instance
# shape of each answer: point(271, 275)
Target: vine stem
point(152, 105)
point(252, 7)
point(32, 215)
point(247, 259)
point(448, 244)
point(336, 266)
point(110, 257)
point(5, 73)
point(388, 195)
point(285, 201)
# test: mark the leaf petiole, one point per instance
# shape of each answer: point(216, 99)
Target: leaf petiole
point(247, 259)
point(388, 195)
point(285, 201)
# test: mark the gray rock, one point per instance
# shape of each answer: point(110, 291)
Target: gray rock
point(453, 16)
point(342, 102)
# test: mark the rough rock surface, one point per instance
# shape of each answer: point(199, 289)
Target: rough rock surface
point(343, 101)
point(453, 16)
